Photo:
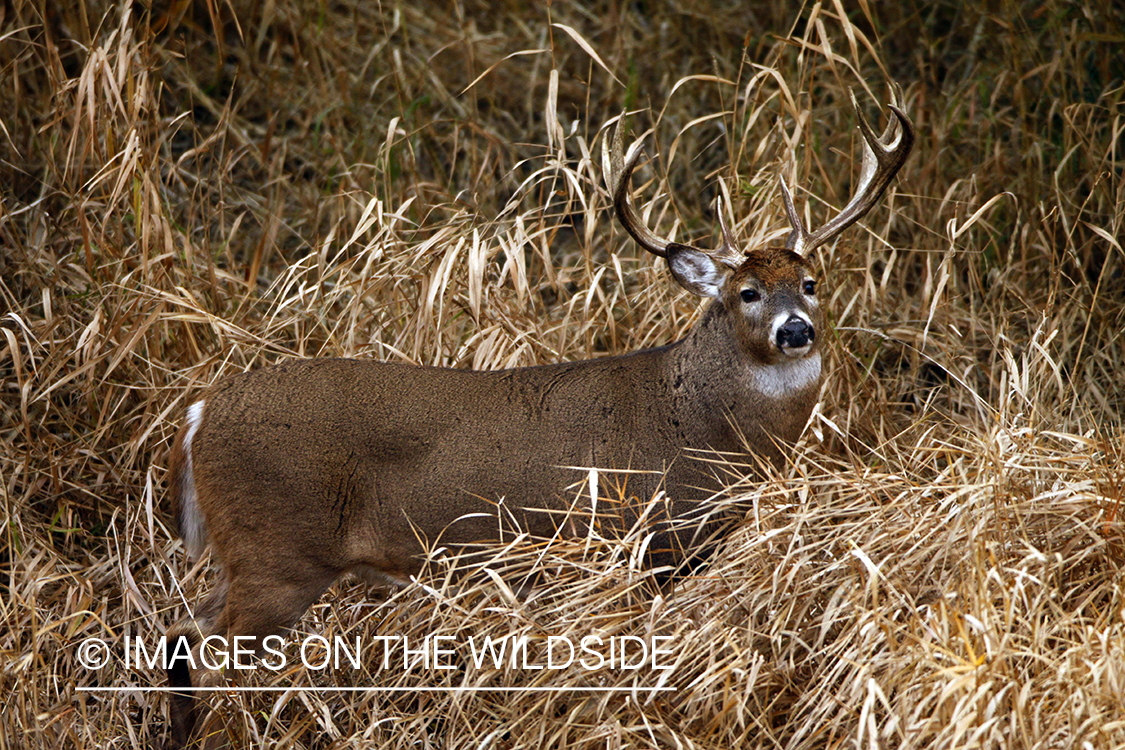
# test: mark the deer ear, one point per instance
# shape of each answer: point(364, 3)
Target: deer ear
point(696, 271)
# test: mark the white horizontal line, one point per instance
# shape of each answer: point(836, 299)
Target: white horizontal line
point(373, 689)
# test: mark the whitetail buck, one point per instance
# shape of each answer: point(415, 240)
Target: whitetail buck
point(303, 471)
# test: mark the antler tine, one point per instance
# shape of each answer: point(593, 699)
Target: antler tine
point(798, 237)
point(727, 252)
point(883, 156)
point(618, 167)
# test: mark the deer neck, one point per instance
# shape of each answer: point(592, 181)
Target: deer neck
point(711, 374)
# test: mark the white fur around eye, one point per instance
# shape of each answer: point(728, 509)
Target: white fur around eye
point(810, 299)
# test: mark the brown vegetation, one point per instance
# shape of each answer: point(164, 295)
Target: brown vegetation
point(191, 189)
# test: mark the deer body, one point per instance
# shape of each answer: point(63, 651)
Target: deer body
point(385, 456)
point(302, 471)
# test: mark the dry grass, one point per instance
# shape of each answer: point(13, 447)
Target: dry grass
point(197, 188)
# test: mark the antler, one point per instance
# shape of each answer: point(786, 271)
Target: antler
point(618, 168)
point(882, 158)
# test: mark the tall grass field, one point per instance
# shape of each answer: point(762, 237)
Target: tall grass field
point(190, 189)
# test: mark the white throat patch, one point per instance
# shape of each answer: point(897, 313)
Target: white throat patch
point(786, 378)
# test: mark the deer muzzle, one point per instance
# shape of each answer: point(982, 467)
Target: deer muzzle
point(795, 336)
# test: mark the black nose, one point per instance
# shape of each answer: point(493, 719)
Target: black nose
point(795, 334)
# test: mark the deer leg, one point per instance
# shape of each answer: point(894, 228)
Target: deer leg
point(184, 639)
point(252, 607)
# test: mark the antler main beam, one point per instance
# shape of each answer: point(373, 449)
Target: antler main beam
point(618, 166)
point(883, 156)
point(619, 171)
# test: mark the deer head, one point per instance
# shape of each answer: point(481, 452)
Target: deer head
point(768, 293)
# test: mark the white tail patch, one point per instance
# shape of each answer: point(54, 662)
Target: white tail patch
point(786, 378)
point(192, 527)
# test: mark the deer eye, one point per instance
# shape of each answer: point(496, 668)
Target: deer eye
point(750, 295)
point(810, 287)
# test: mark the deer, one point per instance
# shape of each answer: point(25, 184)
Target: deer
point(300, 472)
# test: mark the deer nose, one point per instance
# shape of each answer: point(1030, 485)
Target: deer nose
point(795, 333)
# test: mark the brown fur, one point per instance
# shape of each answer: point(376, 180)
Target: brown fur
point(309, 469)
